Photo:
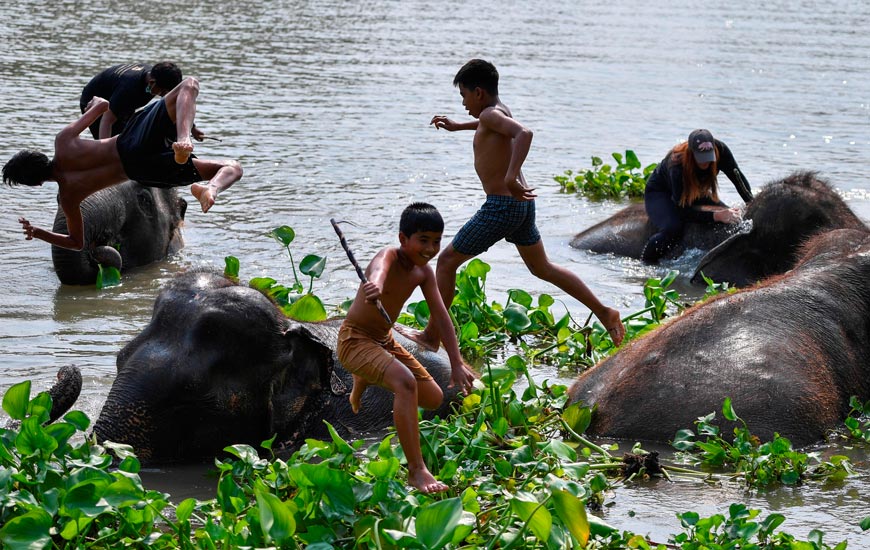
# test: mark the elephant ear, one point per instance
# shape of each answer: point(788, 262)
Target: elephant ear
point(310, 351)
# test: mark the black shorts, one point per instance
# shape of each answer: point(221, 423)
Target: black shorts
point(145, 148)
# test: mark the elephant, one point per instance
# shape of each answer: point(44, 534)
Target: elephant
point(789, 352)
point(627, 232)
point(219, 364)
point(781, 217)
point(126, 225)
point(792, 210)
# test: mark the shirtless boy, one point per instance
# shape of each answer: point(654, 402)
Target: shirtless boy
point(154, 149)
point(500, 147)
point(366, 347)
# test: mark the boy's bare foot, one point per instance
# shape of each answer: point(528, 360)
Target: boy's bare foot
point(418, 336)
point(425, 482)
point(359, 386)
point(182, 149)
point(613, 323)
point(204, 194)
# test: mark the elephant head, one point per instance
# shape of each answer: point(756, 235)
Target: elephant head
point(125, 225)
point(789, 352)
point(219, 364)
point(784, 215)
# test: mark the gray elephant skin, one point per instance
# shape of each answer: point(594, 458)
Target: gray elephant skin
point(219, 364)
point(126, 226)
point(789, 352)
point(783, 215)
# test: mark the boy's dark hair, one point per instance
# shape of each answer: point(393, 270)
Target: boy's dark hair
point(478, 73)
point(167, 75)
point(420, 216)
point(27, 168)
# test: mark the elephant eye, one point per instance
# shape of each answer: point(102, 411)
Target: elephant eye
point(146, 203)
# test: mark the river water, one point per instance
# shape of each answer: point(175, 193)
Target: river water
point(326, 105)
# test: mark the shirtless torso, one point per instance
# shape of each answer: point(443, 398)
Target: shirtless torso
point(492, 151)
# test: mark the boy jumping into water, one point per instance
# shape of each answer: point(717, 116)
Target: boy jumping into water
point(154, 149)
point(366, 347)
point(500, 147)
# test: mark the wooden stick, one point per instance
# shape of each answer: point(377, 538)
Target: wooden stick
point(359, 271)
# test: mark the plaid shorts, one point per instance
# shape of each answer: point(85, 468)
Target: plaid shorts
point(500, 217)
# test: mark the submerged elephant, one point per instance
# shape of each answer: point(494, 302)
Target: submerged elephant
point(126, 225)
point(789, 352)
point(627, 232)
point(780, 218)
point(793, 210)
point(220, 364)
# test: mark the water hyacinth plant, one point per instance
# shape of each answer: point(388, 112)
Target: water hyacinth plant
point(603, 181)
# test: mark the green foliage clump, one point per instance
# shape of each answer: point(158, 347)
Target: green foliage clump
point(858, 421)
point(296, 302)
point(625, 179)
point(759, 464)
point(55, 493)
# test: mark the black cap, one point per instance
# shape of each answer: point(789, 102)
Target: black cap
point(701, 142)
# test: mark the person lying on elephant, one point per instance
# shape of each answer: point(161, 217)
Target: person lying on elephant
point(366, 347)
point(154, 149)
point(683, 189)
point(128, 87)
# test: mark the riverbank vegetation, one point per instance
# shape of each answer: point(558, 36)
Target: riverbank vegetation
point(521, 471)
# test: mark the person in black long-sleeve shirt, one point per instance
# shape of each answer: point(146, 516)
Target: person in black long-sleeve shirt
point(683, 189)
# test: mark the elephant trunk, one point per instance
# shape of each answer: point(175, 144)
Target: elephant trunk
point(65, 391)
point(80, 267)
point(131, 424)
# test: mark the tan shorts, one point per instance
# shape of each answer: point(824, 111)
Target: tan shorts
point(364, 355)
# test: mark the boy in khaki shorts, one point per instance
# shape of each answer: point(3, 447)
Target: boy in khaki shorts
point(366, 347)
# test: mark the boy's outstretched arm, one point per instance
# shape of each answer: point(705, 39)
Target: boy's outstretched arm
point(461, 375)
point(93, 111)
point(521, 142)
point(76, 238)
point(441, 121)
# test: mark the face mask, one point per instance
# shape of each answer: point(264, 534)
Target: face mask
point(148, 89)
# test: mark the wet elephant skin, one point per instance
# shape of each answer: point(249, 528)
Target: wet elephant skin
point(219, 364)
point(789, 352)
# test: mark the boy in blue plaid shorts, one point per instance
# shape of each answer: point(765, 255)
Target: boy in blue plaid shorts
point(500, 147)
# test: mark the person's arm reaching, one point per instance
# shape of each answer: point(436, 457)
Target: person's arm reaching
point(74, 241)
point(440, 121)
point(728, 165)
point(106, 123)
point(521, 142)
point(461, 375)
point(96, 107)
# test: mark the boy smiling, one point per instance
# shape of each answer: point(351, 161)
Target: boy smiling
point(366, 347)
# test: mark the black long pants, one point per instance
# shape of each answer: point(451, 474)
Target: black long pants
point(665, 216)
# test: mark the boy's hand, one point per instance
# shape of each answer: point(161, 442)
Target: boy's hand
point(28, 229)
point(519, 191)
point(441, 121)
point(97, 101)
point(197, 134)
point(463, 377)
point(373, 292)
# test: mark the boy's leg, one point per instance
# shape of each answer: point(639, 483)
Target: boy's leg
point(535, 258)
point(399, 380)
point(448, 264)
point(220, 174)
point(359, 387)
point(181, 106)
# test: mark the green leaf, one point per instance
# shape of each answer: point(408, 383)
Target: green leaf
point(16, 399)
point(32, 437)
point(283, 234)
point(185, 509)
point(437, 521)
point(231, 267)
point(572, 512)
point(307, 308)
point(27, 531)
point(78, 419)
point(577, 417)
point(521, 297)
point(865, 523)
point(312, 265)
point(107, 276)
point(516, 318)
point(86, 498)
point(728, 410)
point(477, 268)
point(275, 517)
point(537, 517)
